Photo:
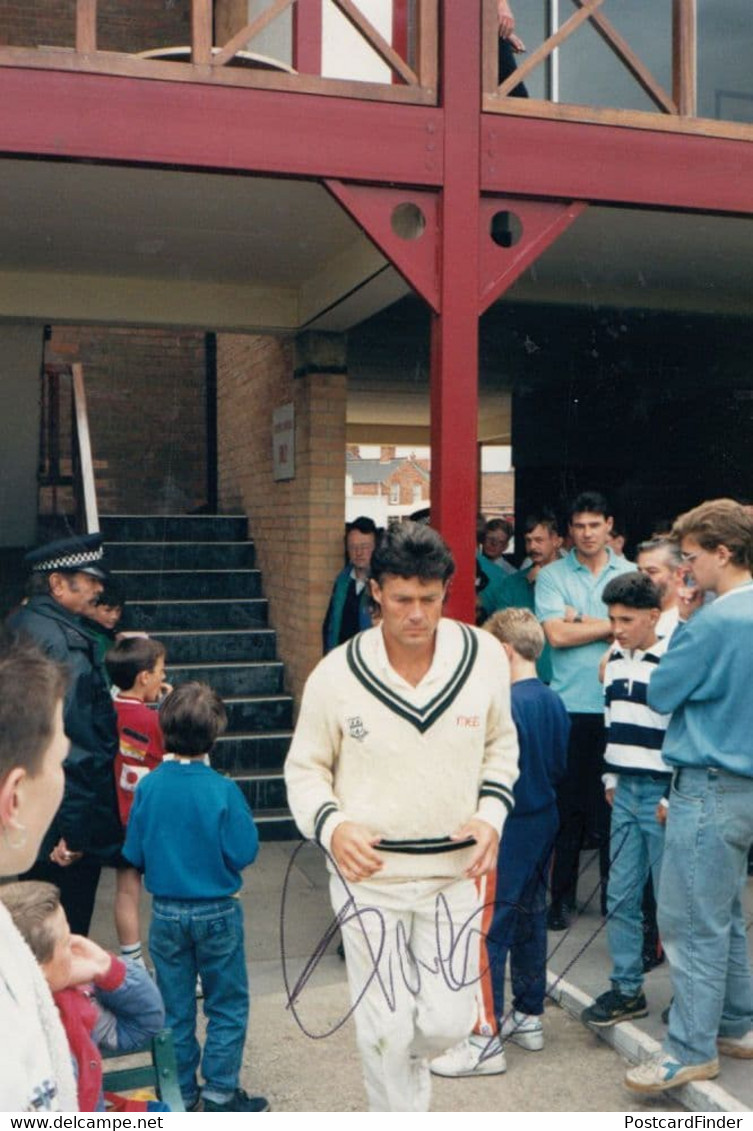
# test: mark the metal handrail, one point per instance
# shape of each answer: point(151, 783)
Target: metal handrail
point(83, 451)
point(50, 474)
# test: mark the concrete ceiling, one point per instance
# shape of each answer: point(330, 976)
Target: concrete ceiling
point(97, 243)
point(650, 259)
point(93, 243)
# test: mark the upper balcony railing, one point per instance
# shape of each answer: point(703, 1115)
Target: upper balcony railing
point(323, 48)
point(678, 65)
point(673, 65)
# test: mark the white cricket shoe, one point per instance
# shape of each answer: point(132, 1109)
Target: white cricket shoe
point(476, 1056)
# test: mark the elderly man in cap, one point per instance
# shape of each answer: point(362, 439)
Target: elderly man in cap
point(66, 577)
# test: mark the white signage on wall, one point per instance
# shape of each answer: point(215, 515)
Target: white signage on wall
point(283, 442)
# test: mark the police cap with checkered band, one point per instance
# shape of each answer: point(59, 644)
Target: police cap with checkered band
point(81, 553)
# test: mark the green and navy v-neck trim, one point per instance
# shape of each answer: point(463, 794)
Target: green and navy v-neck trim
point(422, 718)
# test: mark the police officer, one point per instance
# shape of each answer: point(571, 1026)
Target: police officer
point(66, 578)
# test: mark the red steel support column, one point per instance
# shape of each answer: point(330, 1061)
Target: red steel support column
point(454, 334)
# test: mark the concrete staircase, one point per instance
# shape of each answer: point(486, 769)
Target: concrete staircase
point(190, 581)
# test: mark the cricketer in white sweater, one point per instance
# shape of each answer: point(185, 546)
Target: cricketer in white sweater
point(410, 763)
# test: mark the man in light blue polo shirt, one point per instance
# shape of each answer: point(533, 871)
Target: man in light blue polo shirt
point(574, 616)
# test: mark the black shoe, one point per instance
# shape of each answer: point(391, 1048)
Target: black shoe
point(612, 1007)
point(557, 918)
point(241, 1101)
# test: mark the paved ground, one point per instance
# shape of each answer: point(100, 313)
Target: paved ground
point(579, 965)
point(575, 1072)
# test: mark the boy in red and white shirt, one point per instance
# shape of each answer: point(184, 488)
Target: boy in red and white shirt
point(136, 666)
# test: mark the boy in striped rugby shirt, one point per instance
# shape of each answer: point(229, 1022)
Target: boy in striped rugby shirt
point(635, 783)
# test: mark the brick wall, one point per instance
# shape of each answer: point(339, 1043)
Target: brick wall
point(297, 524)
point(122, 25)
point(405, 478)
point(145, 393)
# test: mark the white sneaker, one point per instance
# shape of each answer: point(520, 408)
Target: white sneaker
point(662, 1072)
point(476, 1056)
point(739, 1047)
point(523, 1029)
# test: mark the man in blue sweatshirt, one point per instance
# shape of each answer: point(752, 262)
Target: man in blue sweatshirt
point(705, 680)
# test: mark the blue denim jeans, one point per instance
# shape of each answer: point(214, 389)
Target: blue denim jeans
point(635, 848)
point(190, 937)
point(709, 833)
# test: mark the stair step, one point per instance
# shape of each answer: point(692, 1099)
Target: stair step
point(182, 584)
point(243, 752)
point(276, 825)
point(162, 616)
point(232, 679)
point(259, 712)
point(205, 646)
point(179, 555)
point(263, 792)
point(173, 528)
point(191, 583)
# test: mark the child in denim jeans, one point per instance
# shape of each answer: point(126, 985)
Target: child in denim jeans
point(635, 782)
point(192, 833)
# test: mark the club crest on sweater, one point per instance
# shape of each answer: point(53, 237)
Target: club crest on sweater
point(356, 729)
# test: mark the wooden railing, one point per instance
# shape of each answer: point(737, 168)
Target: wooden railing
point(413, 79)
point(677, 108)
point(66, 467)
point(413, 70)
point(683, 98)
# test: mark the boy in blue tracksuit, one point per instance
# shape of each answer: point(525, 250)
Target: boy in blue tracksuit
point(191, 833)
point(514, 920)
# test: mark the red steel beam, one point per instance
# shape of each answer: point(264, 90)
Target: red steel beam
point(543, 222)
point(413, 253)
point(112, 118)
point(454, 332)
point(610, 164)
point(107, 118)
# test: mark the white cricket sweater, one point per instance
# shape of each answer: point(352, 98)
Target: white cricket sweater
point(412, 764)
point(36, 1071)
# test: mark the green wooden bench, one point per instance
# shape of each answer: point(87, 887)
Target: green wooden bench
point(159, 1071)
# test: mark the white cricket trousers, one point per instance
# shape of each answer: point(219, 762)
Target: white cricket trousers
point(411, 950)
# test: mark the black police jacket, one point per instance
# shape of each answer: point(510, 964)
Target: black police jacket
point(88, 815)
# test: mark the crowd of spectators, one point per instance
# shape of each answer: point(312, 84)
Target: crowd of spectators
point(606, 707)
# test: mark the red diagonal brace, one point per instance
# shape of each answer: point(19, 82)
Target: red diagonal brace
point(373, 209)
point(543, 222)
